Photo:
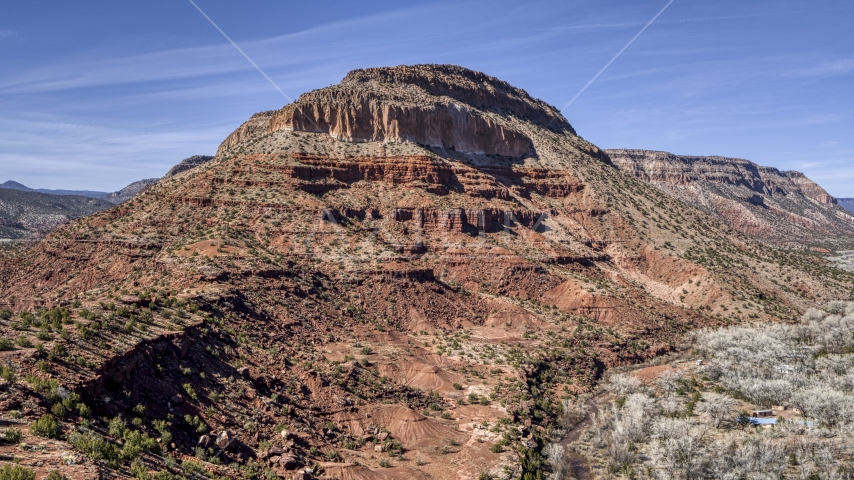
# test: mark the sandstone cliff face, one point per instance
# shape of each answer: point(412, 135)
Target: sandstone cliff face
point(435, 105)
point(130, 191)
point(188, 163)
point(667, 168)
point(257, 124)
point(370, 118)
point(756, 200)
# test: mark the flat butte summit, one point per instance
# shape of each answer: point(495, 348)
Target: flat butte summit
point(399, 276)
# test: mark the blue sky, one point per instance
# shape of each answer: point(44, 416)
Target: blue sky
point(97, 94)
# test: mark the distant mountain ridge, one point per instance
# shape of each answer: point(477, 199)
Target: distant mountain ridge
point(784, 206)
point(846, 203)
point(32, 212)
point(119, 196)
point(26, 214)
point(18, 186)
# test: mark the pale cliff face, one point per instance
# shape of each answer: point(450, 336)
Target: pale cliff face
point(757, 200)
point(439, 106)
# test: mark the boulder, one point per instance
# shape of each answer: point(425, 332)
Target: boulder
point(224, 441)
point(273, 452)
point(243, 372)
point(204, 441)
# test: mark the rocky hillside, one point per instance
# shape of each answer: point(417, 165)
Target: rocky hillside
point(188, 164)
point(30, 214)
point(130, 191)
point(400, 276)
point(759, 201)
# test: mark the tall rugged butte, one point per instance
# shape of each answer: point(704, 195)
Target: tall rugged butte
point(399, 276)
point(783, 207)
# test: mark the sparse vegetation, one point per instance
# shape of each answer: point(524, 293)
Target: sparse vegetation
point(46, 426)
point(680, 425)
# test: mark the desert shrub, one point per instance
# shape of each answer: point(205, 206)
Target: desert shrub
point(6, 344)
point(6, 373)
point(45, 386)
point(117, 427)
point(138, 470)
point(13, 435)
point(16, 472)
point(58, 410)
point(94, 446)
point(191, 392)
point(46, 426)
point(55, 475)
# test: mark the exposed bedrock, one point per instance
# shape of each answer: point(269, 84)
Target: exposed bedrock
point(667, 168)
point(368, 118)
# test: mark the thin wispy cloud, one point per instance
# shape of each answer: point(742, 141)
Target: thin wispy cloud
point(594, 26)
point(302, 47)
point(839, 66)
point(7, 33)
point(92, 156)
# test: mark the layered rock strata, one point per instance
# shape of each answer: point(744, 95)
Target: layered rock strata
point(764, 201)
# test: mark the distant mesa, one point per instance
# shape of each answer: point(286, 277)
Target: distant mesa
point(440, 106)
point(755, 200)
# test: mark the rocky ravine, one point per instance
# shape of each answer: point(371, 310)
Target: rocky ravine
point(400, 276)
point(756, 200)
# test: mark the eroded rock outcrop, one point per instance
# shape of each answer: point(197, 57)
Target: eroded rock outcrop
point(188, 163)
point(757, 200)
point(439, 106)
